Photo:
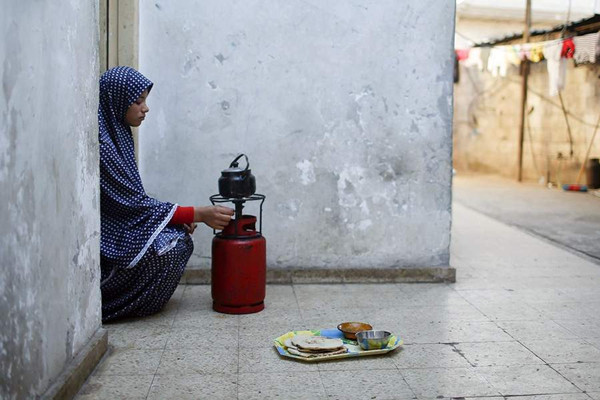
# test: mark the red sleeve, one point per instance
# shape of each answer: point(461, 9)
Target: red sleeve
point(182, 215)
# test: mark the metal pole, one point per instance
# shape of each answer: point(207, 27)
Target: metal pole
point(525, 73)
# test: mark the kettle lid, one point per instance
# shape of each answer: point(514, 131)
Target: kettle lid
point(234, 169)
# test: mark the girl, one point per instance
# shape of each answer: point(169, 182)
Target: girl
point(145, 244)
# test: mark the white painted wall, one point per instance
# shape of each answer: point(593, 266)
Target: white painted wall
point(49, 204)
point(346, 120)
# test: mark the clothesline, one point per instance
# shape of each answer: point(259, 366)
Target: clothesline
point(496, 59)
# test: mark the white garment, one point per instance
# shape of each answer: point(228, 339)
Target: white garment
point(585, 48)
point(478, 57)
point(497, 63)
point(557, 67)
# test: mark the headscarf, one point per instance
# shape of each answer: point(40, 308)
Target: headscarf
point(130, 220)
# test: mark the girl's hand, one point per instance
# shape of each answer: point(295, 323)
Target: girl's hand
point(190, 228)
point(217, 217)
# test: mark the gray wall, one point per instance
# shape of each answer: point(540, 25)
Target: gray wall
point(49, 198)
point(344, 108)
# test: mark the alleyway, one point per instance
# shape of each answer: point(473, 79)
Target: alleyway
point(522, 319)
point(568, 219)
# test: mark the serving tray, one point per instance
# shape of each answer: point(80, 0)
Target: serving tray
point(354, 350)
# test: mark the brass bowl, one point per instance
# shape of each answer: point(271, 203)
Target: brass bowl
point(349, 329)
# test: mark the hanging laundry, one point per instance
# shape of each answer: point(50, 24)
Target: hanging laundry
point(462, 54)
point(557, 67)
point(513, 55)
point(568, 48)
point(536, 53)
point(497, 63)
point(524, 51)
point(585, 48)
point(474, 58)
point(478, 57)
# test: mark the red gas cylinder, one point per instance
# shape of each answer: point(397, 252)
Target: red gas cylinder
point(239, 268)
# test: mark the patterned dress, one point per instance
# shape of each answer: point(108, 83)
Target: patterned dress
point(141, 257)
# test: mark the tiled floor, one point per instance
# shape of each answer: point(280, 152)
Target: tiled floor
point(523, 319)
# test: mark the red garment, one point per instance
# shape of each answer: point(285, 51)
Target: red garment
point(568, 49)
point(462, 54)
point(182, 215)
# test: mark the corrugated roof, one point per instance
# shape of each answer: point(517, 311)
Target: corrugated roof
point(581, 27)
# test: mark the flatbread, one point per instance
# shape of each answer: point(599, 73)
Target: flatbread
point(315, 355)
point(288, 344)
point(317, 343)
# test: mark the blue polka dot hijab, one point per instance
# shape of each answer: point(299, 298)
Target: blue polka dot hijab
point(130, 220)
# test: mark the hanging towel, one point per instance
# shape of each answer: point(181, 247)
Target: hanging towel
point(497, 63)
point(474, 58)
point(524, 51)
point(513, 55)
point(462, 54)
point(536, 53)
point(568, 48)
point(478, 57)
point(585, 48)
point(557, 67)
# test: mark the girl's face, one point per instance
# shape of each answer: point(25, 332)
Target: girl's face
point(137, 111)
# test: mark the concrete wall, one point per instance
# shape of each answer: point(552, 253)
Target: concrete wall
point(49, 196)
point(487, 116)
point(346, 120)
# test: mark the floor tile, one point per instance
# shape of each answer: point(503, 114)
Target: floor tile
point(196, 298)
point(383, 361)
point(447, 382)
point(594, 342)
point(535, 295)
point(581, 328)
point(429, 295)
point(280, 297)
point(563, 396)
point(429, 356)
point(274, 327)
point(366, 384)
point(289, 385)
point(203, 361)
point(570, 310)
point(130, 362)
point(535, 330)
point(564, 350)
point(509, 311)
point(526, 379)
point(497, 354)
point(434, 313)
point(585, 375)
point(202, 338)
point(330, 316)
point(583, 294)
point(192, 387)
point(452, 332)
point(477, 296)
point(291, 317)
point(149, 337)
point(110, 387)
point(206, 319)
point(261, 356)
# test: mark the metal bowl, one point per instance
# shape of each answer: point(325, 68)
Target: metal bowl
point(349, 329)
point(371, 340)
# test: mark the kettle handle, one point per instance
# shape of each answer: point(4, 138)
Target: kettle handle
point(235, 164)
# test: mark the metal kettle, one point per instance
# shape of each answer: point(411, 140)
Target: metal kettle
point(236, 182)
